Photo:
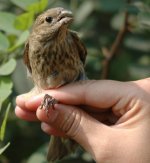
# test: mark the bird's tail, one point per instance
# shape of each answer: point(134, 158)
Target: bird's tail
point(59, 148)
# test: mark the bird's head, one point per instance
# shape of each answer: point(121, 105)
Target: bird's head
point(52, 21)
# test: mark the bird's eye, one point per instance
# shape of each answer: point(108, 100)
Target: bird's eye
point(49, 19)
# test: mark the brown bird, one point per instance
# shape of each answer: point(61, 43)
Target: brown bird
point(54, 56)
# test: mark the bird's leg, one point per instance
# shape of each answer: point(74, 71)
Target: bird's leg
point(48, 103)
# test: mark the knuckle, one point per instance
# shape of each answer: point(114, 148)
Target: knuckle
point(72, 122)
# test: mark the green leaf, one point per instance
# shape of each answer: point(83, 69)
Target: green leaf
point(4, 148)
point(24, 21)
point(3, 126)
point(132, 9)
point(43, 4)
point(112, 6)
point(5, 88)
point(139, 72)
point(83, 12)
point(38, 7)
point(4, 43)
point(24, 4)
point(34, 5)
point(39, 155)
point(7, 22)
point(21, 40)
point(8, 67)
point(117, 21)
point(138, 44)
point(144, 20)
point(23, 37)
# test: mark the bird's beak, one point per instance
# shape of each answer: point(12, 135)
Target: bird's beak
point(65, 17)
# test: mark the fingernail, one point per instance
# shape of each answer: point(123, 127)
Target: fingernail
point(20, 97)
point(23, 96)
point(44, 126)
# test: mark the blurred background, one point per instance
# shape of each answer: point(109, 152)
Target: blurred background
point(117, 36)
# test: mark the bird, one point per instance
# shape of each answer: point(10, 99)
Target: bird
point(55, 56)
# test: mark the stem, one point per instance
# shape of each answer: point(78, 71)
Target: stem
point(111, 53)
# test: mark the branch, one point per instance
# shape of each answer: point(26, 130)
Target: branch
point(110, 54)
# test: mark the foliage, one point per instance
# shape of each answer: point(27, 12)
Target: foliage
point(98, 23)
point(5, 90)
point(2, 130)
point(13, 34)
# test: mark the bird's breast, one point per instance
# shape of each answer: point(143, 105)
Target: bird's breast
point(54, 64)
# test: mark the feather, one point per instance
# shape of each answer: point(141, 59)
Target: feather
point(26, 57)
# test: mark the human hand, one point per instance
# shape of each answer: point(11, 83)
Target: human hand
point(124, 105)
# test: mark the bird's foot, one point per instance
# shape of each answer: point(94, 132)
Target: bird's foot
point(48, 103)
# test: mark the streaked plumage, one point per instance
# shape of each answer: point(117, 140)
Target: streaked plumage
point(54, 56)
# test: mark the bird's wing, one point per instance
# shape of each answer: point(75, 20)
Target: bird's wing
point(80, 46)
point(26, 57)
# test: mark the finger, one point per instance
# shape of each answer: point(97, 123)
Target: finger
point(21, 99)
point(25, 114)
point(97, 94)
point(77, 125)
point(50, 130)
point(34, 102)
point(46, 127)
point(43, 116)
point(106, 117)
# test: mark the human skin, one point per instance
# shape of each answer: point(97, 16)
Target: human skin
point(109, 119)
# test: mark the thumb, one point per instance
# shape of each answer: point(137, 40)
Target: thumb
point(78, 125)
